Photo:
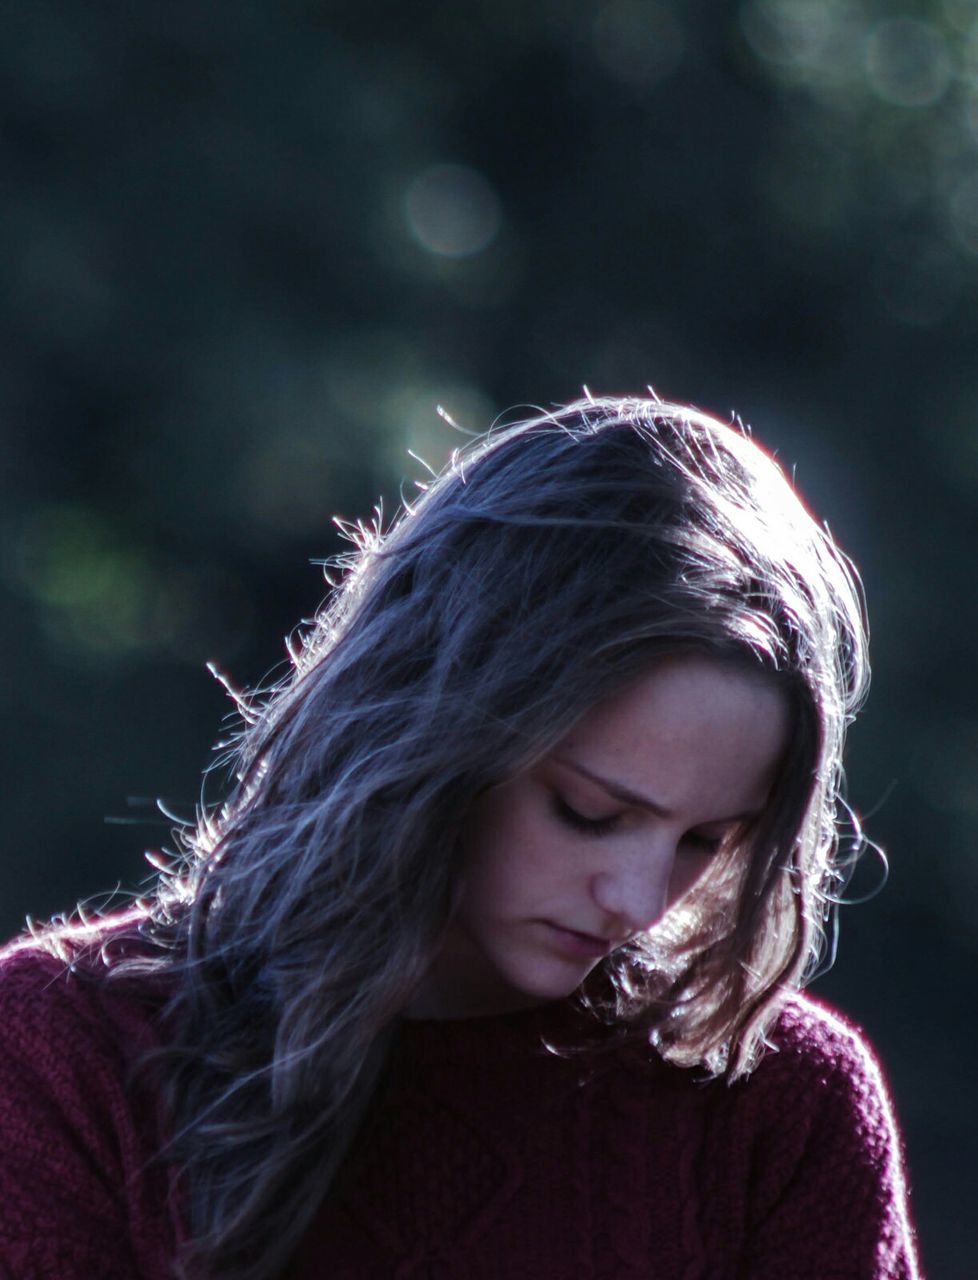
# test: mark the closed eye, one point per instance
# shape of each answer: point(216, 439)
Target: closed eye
point(580, 821)
point(701, 844)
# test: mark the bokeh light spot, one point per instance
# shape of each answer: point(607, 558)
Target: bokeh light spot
point(792, 33)
point(95, 593)
point(961, 14)
point(907, 62)
point(452, 210)
point(638, 42)
point(62, 556)
point(410, 413)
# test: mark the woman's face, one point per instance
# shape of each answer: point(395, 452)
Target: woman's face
point(589, 847)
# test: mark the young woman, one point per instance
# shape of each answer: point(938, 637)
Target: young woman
point(489, 966)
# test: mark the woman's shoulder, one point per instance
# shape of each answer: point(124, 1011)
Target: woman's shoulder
point(59, 986)
point(818, 1095)
point(811, 1026)
point(78, 1126)
point(71, 1030)
point(827, 1162)
point(819, 1100)
point(815, 1050)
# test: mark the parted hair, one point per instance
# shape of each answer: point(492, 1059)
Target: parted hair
point(552, 562)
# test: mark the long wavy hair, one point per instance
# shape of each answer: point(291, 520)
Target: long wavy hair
point(551, 563)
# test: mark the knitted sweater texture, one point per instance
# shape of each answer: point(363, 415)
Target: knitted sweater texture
point(485, 1156)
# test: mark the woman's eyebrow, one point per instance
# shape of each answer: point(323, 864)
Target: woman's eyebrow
point(626, 795)
point(617, 789)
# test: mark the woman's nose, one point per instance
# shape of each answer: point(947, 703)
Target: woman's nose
point(635, 892)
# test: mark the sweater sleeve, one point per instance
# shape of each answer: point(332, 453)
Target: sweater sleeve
point(829, 1196)
point(68, 1149)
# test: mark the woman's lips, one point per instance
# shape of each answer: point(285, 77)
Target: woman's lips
point(585, 946)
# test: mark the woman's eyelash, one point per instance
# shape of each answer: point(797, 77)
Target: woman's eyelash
point(602, 826)
point(703, 844)
point(580, 822)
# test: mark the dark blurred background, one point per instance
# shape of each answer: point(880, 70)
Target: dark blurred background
point(249, 247)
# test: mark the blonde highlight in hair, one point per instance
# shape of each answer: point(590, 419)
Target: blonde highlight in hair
point(552, 562)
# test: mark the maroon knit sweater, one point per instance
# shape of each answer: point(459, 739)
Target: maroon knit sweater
point(484, 1156)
